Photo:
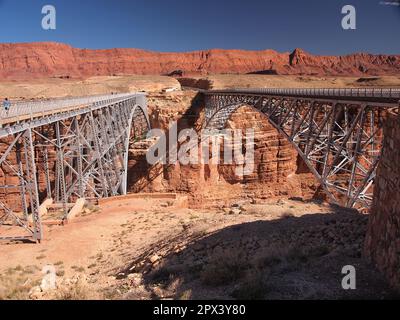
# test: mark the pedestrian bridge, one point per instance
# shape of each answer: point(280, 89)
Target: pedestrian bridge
point(65, 149)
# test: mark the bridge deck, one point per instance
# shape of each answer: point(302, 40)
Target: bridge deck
point(37, 111)
point(22, 110)
point(337, 132)
point(64, 150)
point(390, 95)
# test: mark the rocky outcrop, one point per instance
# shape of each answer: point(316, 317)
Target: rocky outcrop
point(383, 237)
point(40, 60)
point(276, 166)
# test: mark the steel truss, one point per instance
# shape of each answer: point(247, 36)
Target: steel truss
point(78, 153)
point(339, 139)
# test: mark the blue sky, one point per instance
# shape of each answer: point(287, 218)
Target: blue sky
point(185, 25)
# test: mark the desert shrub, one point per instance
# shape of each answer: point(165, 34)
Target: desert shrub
point(271, 257)
point(224, 268)
point(287, 214)
point(31, 269)
point(251, 287)
point(13, 290)
point(296, 254)
point(316, 251)
point(16, 283)
point(164, 274)
point(186, 295)
point(75, 291)
point(290, 256)
point(78, 268)
point(15, 287)
point(60, 273)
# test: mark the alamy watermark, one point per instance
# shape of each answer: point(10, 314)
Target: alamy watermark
point(209, 146)
point(349, 21)
point(49, 19)
point(349, 280)
point(390, 3)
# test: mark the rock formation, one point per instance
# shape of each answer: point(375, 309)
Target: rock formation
point(276, 173)
point(40, 60)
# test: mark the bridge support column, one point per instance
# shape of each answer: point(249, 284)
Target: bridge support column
point(32, 186)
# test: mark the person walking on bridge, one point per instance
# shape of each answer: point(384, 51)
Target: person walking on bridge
point(6, 105)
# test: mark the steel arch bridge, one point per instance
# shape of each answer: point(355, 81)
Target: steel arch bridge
point(64, 150)
point(337, 132)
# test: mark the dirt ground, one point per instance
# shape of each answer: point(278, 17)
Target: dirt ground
point(54, 87)
point(151, 249)
point(279, 81)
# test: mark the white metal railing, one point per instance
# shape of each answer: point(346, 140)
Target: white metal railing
point(326, 92)
point(36, 108)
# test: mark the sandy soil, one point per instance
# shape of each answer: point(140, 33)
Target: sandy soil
point(149, 249)
point(47, 88)
point(54, 87)
point(278, 81)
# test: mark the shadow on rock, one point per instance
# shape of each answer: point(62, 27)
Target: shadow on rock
point(289, 258)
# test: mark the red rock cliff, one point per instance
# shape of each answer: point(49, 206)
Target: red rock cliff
point(38, 60)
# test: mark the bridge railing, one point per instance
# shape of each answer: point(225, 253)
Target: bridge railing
point(35, 108)
point(392, 93)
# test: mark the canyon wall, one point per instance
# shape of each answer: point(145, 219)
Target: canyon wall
point(40, 60)
point(278, 172)
point(383, 236)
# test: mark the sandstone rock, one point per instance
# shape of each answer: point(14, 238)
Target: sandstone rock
point(35, 293)
point(49, 59)
point(235, 211)
point(136, 279)
point(153, 259)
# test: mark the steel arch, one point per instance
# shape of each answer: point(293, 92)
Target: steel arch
point(139, 132)
point(338, 139)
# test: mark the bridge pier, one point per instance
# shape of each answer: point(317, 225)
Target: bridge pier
point(382, 245)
